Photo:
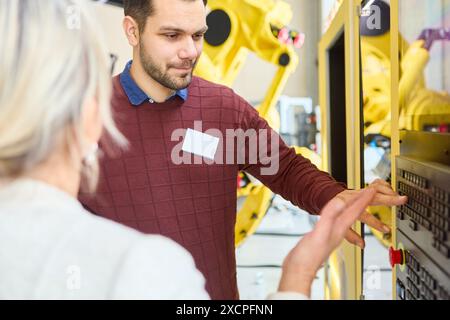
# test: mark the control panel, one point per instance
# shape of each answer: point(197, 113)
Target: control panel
point(422, 253)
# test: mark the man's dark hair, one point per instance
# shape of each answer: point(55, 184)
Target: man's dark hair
point(140, 10)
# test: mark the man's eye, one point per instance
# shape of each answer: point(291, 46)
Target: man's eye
point(171, 36)
point(198, 36)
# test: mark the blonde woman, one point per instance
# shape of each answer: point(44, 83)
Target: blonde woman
point(54, 106)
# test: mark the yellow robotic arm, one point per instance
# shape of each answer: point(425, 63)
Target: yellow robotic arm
point(419, 105)
point(237, 27)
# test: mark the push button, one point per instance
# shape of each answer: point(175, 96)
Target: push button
point(400, 290)
point(445, 250)
point(413, 225)
point(432, 283)
point(396, 257)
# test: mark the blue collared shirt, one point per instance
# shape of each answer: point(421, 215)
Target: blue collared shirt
point(135, 94)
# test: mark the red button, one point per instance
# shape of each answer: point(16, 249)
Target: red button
point(396, 257)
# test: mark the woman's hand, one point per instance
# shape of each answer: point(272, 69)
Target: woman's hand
point(304, 260)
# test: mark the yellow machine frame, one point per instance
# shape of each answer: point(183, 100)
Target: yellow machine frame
point(395, 114)
point(344, 277)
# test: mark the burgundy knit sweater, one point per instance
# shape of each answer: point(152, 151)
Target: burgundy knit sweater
point(194, 204)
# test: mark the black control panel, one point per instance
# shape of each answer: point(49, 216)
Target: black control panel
point(423, 225)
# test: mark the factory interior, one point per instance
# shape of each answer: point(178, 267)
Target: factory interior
point(359, 90)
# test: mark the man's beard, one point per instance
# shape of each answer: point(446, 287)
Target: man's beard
point(155, 72)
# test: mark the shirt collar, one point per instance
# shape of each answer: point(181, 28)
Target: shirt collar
point(135, 94)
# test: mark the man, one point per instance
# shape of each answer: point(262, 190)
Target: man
point(194, 202)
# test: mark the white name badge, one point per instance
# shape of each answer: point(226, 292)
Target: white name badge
point(200, 144)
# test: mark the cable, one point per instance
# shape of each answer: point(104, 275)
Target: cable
point(279, 234)
point(381, 270)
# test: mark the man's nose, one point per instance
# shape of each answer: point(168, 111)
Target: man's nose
point(189, 50)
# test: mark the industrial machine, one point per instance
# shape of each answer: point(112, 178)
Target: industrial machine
point(420, 135)
point(422, 169)
point(422, 257)
point(421, 108)
point(396, 111)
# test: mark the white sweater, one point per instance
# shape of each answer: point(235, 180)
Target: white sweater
point(51, 248)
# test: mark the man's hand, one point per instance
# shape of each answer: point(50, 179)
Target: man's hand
point(303, 261)
point(384, 196)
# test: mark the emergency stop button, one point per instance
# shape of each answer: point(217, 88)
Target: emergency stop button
point(396, 257)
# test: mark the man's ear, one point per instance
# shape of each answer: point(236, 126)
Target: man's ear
point(131, 29)
point(91, 121)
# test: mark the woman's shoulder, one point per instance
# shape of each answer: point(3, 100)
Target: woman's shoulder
point(150, 266)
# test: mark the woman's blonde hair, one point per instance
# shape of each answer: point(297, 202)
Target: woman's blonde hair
point(52, 59)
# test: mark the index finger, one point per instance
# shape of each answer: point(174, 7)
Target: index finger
point(385, 200)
